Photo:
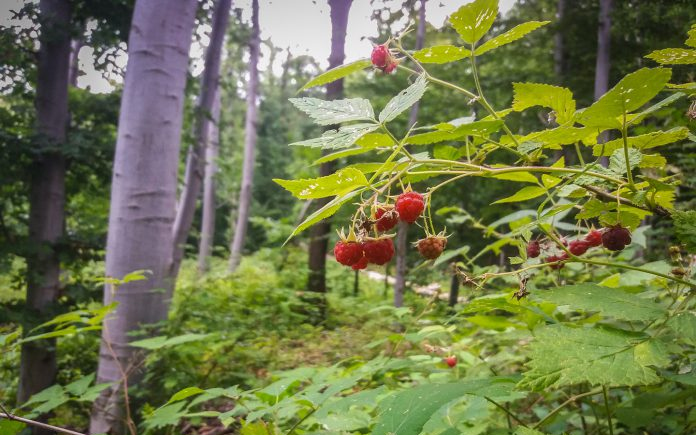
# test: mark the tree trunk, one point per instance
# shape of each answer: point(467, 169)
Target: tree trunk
point(319, 233)
point(559, 46)
point(143, 192)
point(249, 143)
point(205, 248)
point(603, 61)
point(402, 228)
point(454, 290)
point(195, 160)
point(47, 196)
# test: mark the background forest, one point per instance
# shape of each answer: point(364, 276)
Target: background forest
point(149, 283)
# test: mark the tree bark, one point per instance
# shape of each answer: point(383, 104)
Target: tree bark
point(47, 196)
point(195, 160)
point(249, 143)
point(603, 61)
point(319, 233)
point(559, 46)
point(402, 228)
point(205, 248)
point(143, 191)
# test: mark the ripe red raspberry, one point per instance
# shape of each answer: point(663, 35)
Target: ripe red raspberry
point(379, 251)
point(557, 260)
point(387, 218)
point(390, 67)
point(533, 249)
point(431, 247)
point(361, 264)
point(578, 247)
point(450, 360)
point(410, 205)
point(616, 238)
point(380, 56)
point(594, 238)
point(348, 253)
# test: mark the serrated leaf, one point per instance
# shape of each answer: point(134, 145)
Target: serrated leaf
point(472, 21)
point(446, 152)
point(78, 387)
point(564, 135)
point(522, 177)
point(557, 98)
point(338, 183)
point(684, 324)
point(404, 100)
point(512, 35)
point(653, 161)
point(326, 211)
point(375, 140)
point(562, 356)
point(337, 73)
point(643, 142)
point(441, 54)
point(332, 112)
point(523, 194)
point(610, 302)
point(477, 128)
point(341, 138)
point(673, 56)
point(631, 93)
point(594, 208)
point(617, 161)
point(635, 118)
point(685, 228)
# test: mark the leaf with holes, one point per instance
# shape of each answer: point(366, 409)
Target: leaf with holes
point(441, 54)
point(674, 56)
point(473, 20)
point(338, 183)
point(325, 112)
point(404, 100)
point(341, 138)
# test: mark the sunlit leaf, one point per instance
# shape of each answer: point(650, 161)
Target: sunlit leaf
point(523, 194)
point(472, 21)
point(643, 142)
point(477, 128)
point(326, 211)
point(404, 100)
point(441, 54)
point(559, 99)
point(331, 112)
point(685, 228)
point(673, 56)
point(338, 183)
point(512, 35)
point(337, 73)
point(341, 138)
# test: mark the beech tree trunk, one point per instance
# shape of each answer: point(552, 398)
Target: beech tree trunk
point(47, 196)
point(603, 61)
point(195, 160)
point(559, 46)
point(402, 228)
point(249, 143)
point(205, 247)
point(143, 192)
point(319, 233)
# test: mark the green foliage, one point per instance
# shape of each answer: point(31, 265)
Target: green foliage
point(685, 228)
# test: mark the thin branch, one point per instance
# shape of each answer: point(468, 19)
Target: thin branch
point(9, 416)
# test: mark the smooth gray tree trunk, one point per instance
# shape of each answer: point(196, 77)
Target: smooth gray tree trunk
point(559, 45)
point(205, 247)
point(319, 233)
point(603, 61)
point(47, 196)
point(245, 191)
point(195, 160)
point(143, 192)
point(402, 228)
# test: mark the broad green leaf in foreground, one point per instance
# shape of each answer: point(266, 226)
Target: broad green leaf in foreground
point(404, 100)
point(611, 302)
point(338, 183)
point(441, 54)
point(325, 112)
point(562, 355)
point(538, 94)
point(406, 412)
point(630, 94)
point(473, 20)
point(337, 73)
point(511, 35)
point(341, 138)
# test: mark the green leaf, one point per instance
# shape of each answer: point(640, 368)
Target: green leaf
point(441, 54)
point(326, 211)
point(635, 118)
point(337, 73)
point(561, 356)
point(341, 138)
point(522, 177)
point(521, 430)
point(685, 228)
point(559, 99)
point(673, 56)
point(644, 141)
point(523, 194)
point(78, 387)
point(162, 341)
point(375, 140)
point(594, 208)
point(653, 161)
point(477, 128)
point(331, 112)
point(404, 100)
point(11, 427)
point(185, 394)
point(617, 161)
point(512, 35)
point(684, 324)
point(563, 135)
point(405, 412)
point(610, 302)
point(473, 20)
point(691, 40)
point(631, 93)
point(338, 183)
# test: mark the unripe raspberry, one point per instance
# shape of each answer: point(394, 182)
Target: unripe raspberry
point(387, 218)
point(594, 238)
point(379, 251)
point(616, 238)
point(410, 205)
point(348, 253)
point(578, 247)
point(533, 249)
point(431, 247)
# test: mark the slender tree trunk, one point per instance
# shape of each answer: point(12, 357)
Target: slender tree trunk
point(319, 233)
point(143, 192)
point(47, 196)
point(603, 61)
point(454, 290)
point(402, 228)
point(195, 160)
point(249, 143)
point(559, 45)
point(75, 47)
point(205, 248)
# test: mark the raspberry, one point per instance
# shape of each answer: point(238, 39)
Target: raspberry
point(533, 249)
point(578, 247)
point(361, 264)
point(450, 360)
point(557, 260)
point(410, 205)
point(391, 66)
point(348, 253)
point(594, 238)
point(431, 247)
point(379, 251)
point(616, 238)
point(380, 56)
point(387, 218)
